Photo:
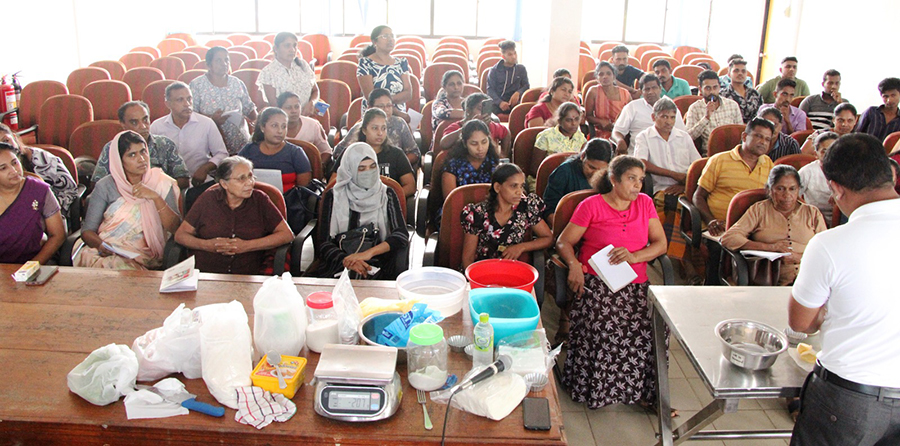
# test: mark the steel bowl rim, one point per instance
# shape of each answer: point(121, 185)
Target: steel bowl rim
point(778, 334)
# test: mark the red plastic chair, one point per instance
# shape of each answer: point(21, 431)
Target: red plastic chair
point(89, 138)
point(134, 60)
point(236, 59)
point(138, 79)
point(190, 59)
point(224, 43)
point(684, 103)
point(690, 215)
point(34, 94)
point(432, 77)
point(106, 97)
point(199, 50)
point(151, 50)
point(115, 68)
point(796, 160)
point(801, 135)
point(724, 138)
point(461, 63)
point(249, 77)
point(360, 38)
point(448, 247)
point(239, 38)
point(200, 66)
point(321, 47)
point(80, 77)
point(155, 96)
point(246, 50)
point(525, 154)
point(644, 48)
point(681, 51)
point(60, 115)
point(306, 50)
point(345, 72)
point(688, 73)
point(547, 166)
point(354, 112)
point(190, 75)
point(517, 118)
point(172, 67)
point(337, 94)
point(889, 141)
point(187, 37)
point(170, 45)
point(254, 64)
point(260, 46)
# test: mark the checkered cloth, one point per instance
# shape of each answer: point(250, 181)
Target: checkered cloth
point(259, 408)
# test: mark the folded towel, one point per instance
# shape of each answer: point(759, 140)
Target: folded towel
point(259, 408)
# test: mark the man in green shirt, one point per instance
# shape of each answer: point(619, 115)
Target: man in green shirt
point(788, 71)
point(671, 85)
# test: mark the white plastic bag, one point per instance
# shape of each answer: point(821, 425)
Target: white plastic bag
point(226, 350)
point(530, 352)
point(279, 317)
point(346, 305)
point(493, 398)
point(172, 348)
point(106, 374)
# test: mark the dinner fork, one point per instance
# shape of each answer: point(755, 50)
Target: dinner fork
point(420, 394)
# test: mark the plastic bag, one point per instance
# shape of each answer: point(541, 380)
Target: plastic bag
point(279, 317)
point(226, 350)
point(493, 398)
point(172, 348)
point(346, 305)
point(372, 305)
point(106, 374)
point(396, 334)
point(530, 352)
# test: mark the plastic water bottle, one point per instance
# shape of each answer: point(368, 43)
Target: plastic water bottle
point(484, 342)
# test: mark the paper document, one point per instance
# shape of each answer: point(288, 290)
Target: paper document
point(616, 277)
point(269, 176)
point(414, 118)
point(234, 116)
point(181, 277)
point(764, 254)
point(121, 252)
point(715, 238)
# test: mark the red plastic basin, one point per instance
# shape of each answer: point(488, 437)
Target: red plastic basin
point(502, 273)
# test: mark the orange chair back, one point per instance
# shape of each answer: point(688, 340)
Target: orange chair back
point(190, 59)
point(64, 155)
point(246, 51)
point(33, 96)
point(801, 135)
point(254, 64)
point(684, 103)
point(155, 96)
point(532, 94)
point(634, 62)
point(485, 66)
point(260, 46)
point(415, 65)
point(470, 89)
point(645, 48)
point(115, 68)
point(236, 59)
point(200, 66)
point(269, 38)
point(439, 134)
point(354, 112)
point(353, 57)
point(321, 47)
point(724, 138)
point(681, 51)
point(306, 51)
point(341, 70)
point(315, 157)
point(495, 54)
point(432, 77)
point(187, 37)
point(566, 208)
point(199, 50)
point(586, 64)
point(548, 165)
point(415, 99)
point(448, 252)
point(151, 50)
point(80, 77)
point(398, 190)
point(190, 75)
point(797, 100)
point(425, 129)
point(889, 141)
point(741, 202)
point(454, 41)
point(608, 46)
point(356, 40)
point(436, 194)
point(134, 60)
point(138, 79)
point(224, 43)
point(672, 62)
point(693, 177)
point(688, 59)
point(169, 45)
point(106, 97)
point(483, 79)
point(460, 61)
point(337, 94)
point(605, 55)
point(525, 154)
point(60, 115)
point(797, 160)
point(688, 73)
point(274, 194)
point(647, 55)
point(517, 118)
point(249, 76)
point(448, 51)
point(415, 46)
point(588, 85)
point(492, 42)
point(172, 67)
point(89, 138)
point(239, 38)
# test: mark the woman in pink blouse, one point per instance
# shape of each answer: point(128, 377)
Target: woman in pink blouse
point(542, 114)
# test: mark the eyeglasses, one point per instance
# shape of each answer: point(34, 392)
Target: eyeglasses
point(244, 178)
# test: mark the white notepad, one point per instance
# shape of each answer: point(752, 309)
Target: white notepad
point(269, 176)
point(616, 277)
point(181, 277)
point(764, 254)
point(121, 252)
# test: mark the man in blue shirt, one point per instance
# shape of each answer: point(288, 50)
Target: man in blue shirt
point(507, 80)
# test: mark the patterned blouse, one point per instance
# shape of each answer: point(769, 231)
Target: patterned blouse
point(478, 219)
point(440, 110)
point(299, 79)
point(54, 172)
point(749, 105)
point(553, 141)
point(389, 77)
point(209, 98)
point(465, 174)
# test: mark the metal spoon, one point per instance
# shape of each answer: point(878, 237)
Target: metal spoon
point(274, 360)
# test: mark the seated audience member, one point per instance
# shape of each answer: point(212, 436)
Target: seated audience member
point(725, 80)
point(269, 150)
point(895, 172)
point(788, 70)
point(474, 105)
point(820, 108)
point(133, 209)
point(844, 122)
point(496, 227)
point(28, 211)
point(747, 98)
point(378, 69)
point(543, 113)
point(745, 167)
point(813, 186)
point(601, 369)
point(302, 127)
point(560, 72)
point(472, 159)
point(197, 137)
point(713, 111)
point(448, 105)
point(605, 102)
point(671, 86)
point(287, 72)
point(566, 136)
point(883, 120)
point(229, 229)
point(392, 162)
point(637, 116)
point(576, 173)
point(782, 144)
point(397, 129)
point(219, 95)
point(626, 75)
point(507, 81)
point(135, 116)
point(47, 166)
point(359, 199)
point(794, 118)
point(780, 223)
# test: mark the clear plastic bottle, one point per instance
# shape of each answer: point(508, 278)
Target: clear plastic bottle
point(484, 342)
point(426, 357)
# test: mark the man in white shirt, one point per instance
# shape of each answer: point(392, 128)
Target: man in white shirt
point(847, 286)
point(197, 137)
point(637, 115)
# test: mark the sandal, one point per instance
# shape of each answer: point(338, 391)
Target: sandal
point(793, 408)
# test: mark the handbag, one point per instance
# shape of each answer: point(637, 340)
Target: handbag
point(358, 239)
point(302, 204)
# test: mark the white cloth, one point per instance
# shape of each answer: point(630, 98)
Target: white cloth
point(147, 404)
point(852, 269)
point(259, 408)
point(814, 188)
point(198, 142)
point(637, 116)
point(676, 154)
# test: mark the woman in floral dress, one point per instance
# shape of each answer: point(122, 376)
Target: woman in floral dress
point(225, 99)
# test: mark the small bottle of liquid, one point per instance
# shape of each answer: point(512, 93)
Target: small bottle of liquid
point(484, 342)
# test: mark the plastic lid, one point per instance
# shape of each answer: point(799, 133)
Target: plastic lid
point(426, 334)
point(320, 300)
point(483, 318)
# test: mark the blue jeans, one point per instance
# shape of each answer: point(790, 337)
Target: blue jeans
point(833, 415)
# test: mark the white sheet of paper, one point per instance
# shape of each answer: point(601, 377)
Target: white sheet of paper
point(709, 236)
point(121, 252)
point(616, 277)
point(414, 118)
point(234, 116)
point(764, 254)
point(269, 176)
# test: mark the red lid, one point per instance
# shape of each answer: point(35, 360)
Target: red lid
point(319, 300)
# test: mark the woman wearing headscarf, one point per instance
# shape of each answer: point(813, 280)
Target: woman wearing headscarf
point(131, 211)
point(360, 200)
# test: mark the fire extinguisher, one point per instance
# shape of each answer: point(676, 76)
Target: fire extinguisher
point(8, 103)
point(18, 87)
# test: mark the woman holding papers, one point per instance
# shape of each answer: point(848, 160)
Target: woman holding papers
point(610, 338)
point(224, 99)
point(131, 211)
point(780, 223)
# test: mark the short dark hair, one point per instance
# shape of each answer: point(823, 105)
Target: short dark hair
point(733, 57)
point(127, 139)
point(617, 168)
point(858, 163)
point(507, 45)
point(707, 75)
point(619, 49)
point(789, 59)
point(784, 83)
point(774, 113)
point(562, 72)
point(779, 171)
point(888, 84)
point(565, 108)
point(473, 100)
point(831, 72)
point(448, 74)
point(736, 61)
point(662, 63)
point(211, 53)
point(367, 50)
point(368, 116)
point(650, 77)
point(377, 93)
point(460, 149)
point(283, 97)
point(264, 117)
point(124, 107)
point(177, 85)
point(501, 173)
point(843, 106)
point(759, 122)
point(555, 85)
point(825, 136)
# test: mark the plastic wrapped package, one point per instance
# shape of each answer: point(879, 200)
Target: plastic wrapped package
point(226, 350)
point(396, 334)
point(493, 398)
point(372, 305)
point(279, 317)
point(346, 305)
point(106, 374)
point(172, 348)
point(530, 352)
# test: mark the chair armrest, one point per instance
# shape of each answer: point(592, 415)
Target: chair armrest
point(8, 112)
point(412, 208)
point(668, 272)
point(739, 263)
point(74, 216)
point(430, 250)
point(427, 164)
point(280, 257)
point(332, 134)
point(537, 260)
point(31, 129)
point(561, 278)
point(421, 211)
point(690, 220)
point(65, 251)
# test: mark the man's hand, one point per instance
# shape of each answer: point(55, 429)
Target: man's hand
point(836, 95)
point(711, 107)
point(504, 105)
point(514, 99)
point(716, 227)
point(676, 189)
point(621, 147)
point(680, 177)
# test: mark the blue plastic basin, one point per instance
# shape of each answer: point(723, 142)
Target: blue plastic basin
point(511, 310)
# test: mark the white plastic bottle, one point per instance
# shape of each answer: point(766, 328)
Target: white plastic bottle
point(484, 342)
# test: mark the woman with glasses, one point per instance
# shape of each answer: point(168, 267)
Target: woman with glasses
point(231, 228)
point(378, 69)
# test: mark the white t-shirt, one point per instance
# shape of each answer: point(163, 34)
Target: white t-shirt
point(637, 116)
point(853, 270)
point(815, 189)
point(676, 154)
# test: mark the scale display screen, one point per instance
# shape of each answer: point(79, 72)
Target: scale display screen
point(353, 400)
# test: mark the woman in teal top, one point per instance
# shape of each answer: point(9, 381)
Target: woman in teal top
point(576, 172)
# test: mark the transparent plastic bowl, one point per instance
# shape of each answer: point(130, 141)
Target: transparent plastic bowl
point(443, 289)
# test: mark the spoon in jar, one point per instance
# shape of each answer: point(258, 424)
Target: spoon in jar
point(274, 360)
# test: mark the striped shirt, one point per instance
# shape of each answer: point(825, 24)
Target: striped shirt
point(784, 145)
point(873, 123)
point(699, 126)
point(726, 174)
point(819, 112)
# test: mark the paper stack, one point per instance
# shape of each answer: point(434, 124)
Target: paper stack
point(616, 277)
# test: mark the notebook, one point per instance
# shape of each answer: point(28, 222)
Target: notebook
point(269, 176)
point(764, 254)
point(181, 277)
point(616, 277)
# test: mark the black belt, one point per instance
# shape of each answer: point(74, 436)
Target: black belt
point(880, 392)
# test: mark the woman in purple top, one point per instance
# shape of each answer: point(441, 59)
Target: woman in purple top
point(610, 339)
point(28, 209)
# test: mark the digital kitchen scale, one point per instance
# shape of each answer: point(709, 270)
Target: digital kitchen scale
point(357, 383)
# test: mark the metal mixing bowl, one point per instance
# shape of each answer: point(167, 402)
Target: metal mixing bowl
point(751, 345)
point(372, 325)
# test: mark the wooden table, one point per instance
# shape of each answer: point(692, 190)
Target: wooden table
point(45, 331)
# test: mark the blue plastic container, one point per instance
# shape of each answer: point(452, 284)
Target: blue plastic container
point(511, 310)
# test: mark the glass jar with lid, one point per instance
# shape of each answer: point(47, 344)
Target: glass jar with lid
point(323, 322)
point(426, 355)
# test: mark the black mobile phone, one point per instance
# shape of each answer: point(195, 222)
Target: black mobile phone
point(487, 106)
point(43, 275)
point(536, 414)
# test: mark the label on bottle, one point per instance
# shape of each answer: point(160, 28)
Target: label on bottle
point(484, 343)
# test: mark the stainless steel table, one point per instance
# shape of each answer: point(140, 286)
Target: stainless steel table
point(691, 313)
